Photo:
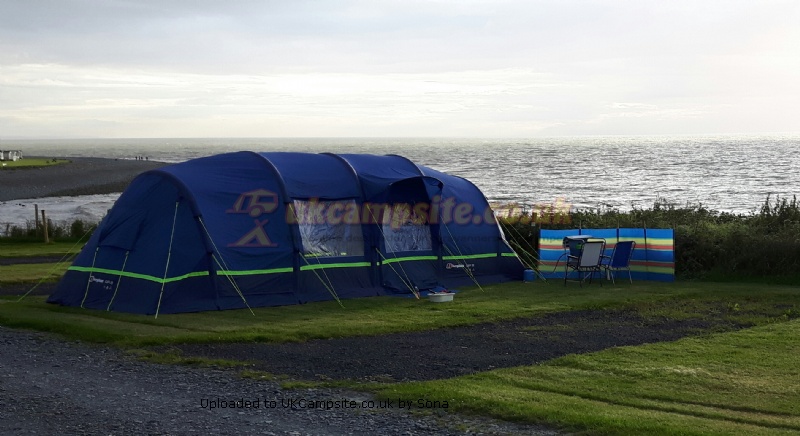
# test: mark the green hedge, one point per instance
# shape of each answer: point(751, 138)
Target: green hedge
point(56, 231)
point(708, 244)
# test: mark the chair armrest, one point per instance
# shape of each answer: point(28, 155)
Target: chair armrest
point(559, 261)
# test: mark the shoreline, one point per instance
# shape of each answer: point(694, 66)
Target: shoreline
point(80, 176)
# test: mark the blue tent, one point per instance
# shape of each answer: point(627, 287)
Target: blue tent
point(269, 229)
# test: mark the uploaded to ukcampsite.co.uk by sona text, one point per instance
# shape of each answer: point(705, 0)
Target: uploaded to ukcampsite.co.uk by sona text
point(327, 404)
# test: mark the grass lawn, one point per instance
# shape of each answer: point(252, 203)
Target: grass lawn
point(370, 316)
point(743, 382)
point(746, 382)
point(39, 249)
point(32, 272)
point(31, 163)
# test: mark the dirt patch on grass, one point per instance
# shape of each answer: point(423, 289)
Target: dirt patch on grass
point(27, 260)
point(451, 352)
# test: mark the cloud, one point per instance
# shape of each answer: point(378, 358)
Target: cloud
point(396, 68)
point(247, 105)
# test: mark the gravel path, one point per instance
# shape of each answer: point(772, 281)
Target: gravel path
point(81, 176)
point(49, 386)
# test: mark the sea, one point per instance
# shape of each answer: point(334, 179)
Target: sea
point(726, 173)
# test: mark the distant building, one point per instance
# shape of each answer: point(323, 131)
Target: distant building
point(12, 155)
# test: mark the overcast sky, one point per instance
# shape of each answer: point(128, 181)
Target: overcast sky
point(379, 68)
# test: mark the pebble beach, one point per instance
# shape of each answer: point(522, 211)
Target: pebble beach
point(79, 176)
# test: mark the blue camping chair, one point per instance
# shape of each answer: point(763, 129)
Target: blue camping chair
point(586, 263)
point(620, 260)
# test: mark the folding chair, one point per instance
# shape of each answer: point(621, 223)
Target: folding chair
point(620, 260)
point(572, 247)
point(586, 263)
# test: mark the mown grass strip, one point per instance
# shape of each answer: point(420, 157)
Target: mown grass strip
point(37, 249)
point(32, 163)
point(382, 315)
point(745, 382)
point(31, 273)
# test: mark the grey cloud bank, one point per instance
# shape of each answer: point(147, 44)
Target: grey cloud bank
point(396, 68)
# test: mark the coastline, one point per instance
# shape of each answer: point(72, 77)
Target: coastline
point(80, 176)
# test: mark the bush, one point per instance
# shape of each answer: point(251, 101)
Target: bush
point(708, 243)
point(61, 231)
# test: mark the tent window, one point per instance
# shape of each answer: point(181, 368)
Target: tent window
point(405, 230)
point(329, 228)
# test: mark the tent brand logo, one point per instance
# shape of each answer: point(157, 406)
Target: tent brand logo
point(255, 203)
point(105, 283)
point(450, 265)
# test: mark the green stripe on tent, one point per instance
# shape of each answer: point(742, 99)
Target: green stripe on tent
point(409, 258)
point(334, 265)
point(470, 256)
point(256, 272)
point(138, 276)
point(276, 270)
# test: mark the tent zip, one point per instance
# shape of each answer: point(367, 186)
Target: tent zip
point(329, 284)
point(235, 285)
point(329, 288)
point(224, 265)
point(407, 283)
point(404, 278)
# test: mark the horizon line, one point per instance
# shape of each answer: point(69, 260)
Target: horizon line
point(665, 135)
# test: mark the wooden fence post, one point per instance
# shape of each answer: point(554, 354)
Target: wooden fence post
point(36, 216)
point(44, 226)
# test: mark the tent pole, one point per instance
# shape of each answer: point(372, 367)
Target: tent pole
point(89, 280)
point(119, 279)
point(169, 255)
point(646, 249)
